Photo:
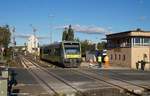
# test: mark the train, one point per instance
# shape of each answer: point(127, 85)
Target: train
point(65, 53)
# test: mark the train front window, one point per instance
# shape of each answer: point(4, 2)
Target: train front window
point(72, 50)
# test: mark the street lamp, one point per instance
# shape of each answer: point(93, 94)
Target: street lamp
point(13, 41)
point(51, 38)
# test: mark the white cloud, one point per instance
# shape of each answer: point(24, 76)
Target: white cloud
point(86, 29)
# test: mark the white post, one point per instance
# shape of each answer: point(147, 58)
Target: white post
point(132, 41)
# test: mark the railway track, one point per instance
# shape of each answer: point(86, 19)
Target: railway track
point(67, 89)
point(116, 75)
point(80, 91)
point(43, 83)
point(125, 86)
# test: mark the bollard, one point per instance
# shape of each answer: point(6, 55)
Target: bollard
point(5, 73)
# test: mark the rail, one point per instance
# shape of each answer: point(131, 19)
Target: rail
point(55, 76)
point(132, 92)
point(95, 77)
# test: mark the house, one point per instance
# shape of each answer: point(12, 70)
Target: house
point(127, 48)
point(32, 44)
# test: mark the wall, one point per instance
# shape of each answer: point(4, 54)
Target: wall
point(138, 54)
point(122, 62)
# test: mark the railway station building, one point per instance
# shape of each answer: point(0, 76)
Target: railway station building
point(125, 49)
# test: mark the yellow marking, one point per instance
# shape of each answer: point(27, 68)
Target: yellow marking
point(73, 56)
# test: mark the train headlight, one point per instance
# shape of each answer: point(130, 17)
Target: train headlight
point(65, 56)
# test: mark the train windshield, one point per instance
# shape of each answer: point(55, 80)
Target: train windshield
point(72, 48)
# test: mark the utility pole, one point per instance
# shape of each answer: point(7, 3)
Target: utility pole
point(51, 37)
point(35, 49)
point(13, 41)
point(34, 34)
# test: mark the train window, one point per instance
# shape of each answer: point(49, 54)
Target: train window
point(46, 51)
point(72, 50)
point(71, 44)
point(50, 51)
point(57, 51)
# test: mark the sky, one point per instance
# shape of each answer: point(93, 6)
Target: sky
point(91, 19)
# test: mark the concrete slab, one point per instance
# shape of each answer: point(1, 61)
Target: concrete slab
point(27, 84)
point(86, 85)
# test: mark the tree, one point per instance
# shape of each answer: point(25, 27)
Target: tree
point(5, 35)
point(86, 46)
point(65, 34)
point(77, 39)
point(101, 45)
point(70, 34)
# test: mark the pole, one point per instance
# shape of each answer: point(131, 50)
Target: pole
point(51, 37)
point(13, 32)
point(34, 30)
point(34, 38)
point(34, 42)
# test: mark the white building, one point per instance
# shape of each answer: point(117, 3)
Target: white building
point(32, 44)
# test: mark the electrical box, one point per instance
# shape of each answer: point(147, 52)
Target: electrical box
point(3, 86)
point(5, 74)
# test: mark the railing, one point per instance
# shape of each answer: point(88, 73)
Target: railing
point(119, 45)
point(127, 45)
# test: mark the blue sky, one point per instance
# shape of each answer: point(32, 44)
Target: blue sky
point(101, 16)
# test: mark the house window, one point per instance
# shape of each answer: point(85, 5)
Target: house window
point(124, 57)
point(119, 57)
point(146, 41)
point(137, 40)
point(115, 57)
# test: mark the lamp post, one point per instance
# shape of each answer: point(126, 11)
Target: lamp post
point(51, 37)
point(13, 37)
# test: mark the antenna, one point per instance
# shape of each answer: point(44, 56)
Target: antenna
point(13, 36)
point(51, 16)
point(33, 29)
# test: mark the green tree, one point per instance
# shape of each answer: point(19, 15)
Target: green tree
point(5, 35)
point(65, 34)
point(70, 34)
point(86, 46)
point(77, 39)
point(101, 45)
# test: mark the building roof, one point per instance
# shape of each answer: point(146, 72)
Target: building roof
point(132, 33)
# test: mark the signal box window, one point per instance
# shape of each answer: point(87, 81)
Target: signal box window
point(119, 56)
point(115, 57)
point(124, 57)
